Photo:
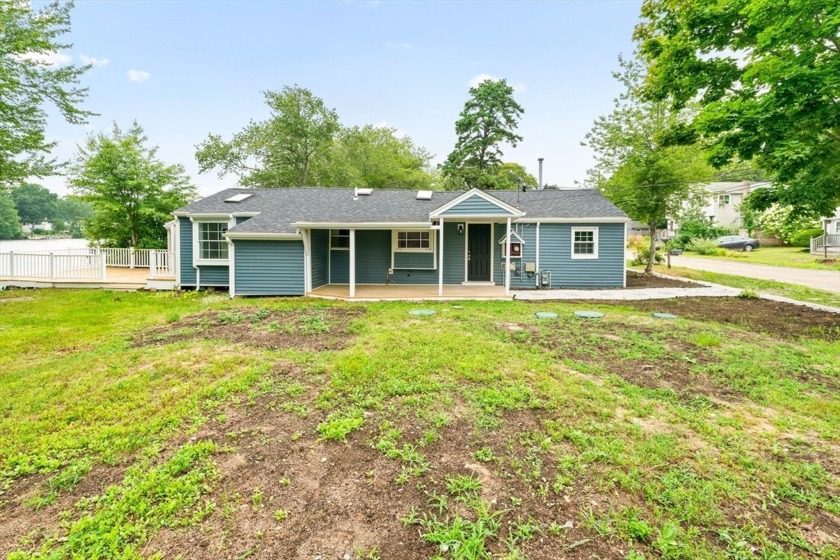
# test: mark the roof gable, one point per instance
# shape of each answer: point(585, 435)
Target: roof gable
point(475, 203)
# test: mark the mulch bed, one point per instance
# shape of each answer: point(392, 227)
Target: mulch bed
point(641, 280)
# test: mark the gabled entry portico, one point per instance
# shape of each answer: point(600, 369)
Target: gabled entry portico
point(476, 212)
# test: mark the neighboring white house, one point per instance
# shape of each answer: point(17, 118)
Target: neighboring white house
point(723, 203)
point(29, 228)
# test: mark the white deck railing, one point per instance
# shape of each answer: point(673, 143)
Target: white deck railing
point(83, 264)
point(829, 240)
point(52, 266)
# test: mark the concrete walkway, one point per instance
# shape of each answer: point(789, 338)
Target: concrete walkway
point(828, 280)
point(627, 294)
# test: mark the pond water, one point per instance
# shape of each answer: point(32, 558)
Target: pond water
point(24, 245)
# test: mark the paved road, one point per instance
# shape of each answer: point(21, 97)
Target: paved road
point(828, 280)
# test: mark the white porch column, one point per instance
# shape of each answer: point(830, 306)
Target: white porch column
point(352, 263)
point(440, 260)
point(507, 259)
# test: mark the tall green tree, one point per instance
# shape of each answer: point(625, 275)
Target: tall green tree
point(34, 203)
point(488, 120)
point(29, 83)
point(765, 76)
point(132, 193)
point(513, 176)
point(373, 157)
point(72, 212)
point(9, 220)
point(636, 168)
point(281, 151)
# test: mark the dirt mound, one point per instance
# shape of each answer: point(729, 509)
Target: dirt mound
point(315, 329)
point(784, 320)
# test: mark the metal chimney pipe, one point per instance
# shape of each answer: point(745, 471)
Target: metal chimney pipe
point(539, 181)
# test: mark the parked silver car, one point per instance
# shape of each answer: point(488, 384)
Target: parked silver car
point(738, 242)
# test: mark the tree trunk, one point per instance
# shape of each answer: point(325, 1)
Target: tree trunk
point(652, 256)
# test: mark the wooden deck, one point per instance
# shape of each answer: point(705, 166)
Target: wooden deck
point(115, 279)
point(391, 292)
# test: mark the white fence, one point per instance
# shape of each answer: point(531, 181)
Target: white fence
point(83, 264)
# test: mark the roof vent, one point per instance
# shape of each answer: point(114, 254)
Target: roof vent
point(424, 195)
point(363, 192)
point(239, 197)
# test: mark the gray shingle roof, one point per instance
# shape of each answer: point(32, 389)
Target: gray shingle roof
point(280, 208)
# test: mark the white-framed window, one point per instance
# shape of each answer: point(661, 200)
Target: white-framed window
point(585, 243)
point(723, 200)
point(340, 239)
point(413, 241)
point(837, 226)
point(212, 245)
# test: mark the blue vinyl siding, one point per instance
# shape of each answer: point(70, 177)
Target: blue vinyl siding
point(339, 266)
point(186, 270)
point(373, 259)
point(269, 268)
point(320, 257)
point(605, 271)
point(475, 206)
point(414, 260)
point(213, 276)
point(529, 254)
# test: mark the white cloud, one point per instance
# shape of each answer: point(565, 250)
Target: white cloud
point(399, 45)
point(51, 58)
point(396, 132)
point(93, 60)
point(138, 76)
point(518, 88)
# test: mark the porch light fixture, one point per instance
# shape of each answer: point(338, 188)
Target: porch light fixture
point(460, 229)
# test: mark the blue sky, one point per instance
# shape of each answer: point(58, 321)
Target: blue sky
point(185, 69)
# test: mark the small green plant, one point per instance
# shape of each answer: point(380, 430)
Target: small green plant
point(461, 485)
point(257, 498)
point(748, 294)
point(230, 317)
point(285, 481)
point(259, 315)
point(173, 317)
point(339, 424)
point(281, 515)
point(666, 542)
point(704, 246)
point(485, 454)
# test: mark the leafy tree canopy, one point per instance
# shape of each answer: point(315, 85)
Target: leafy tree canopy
point(132, 193)
point(764, 76)
point(29, 81)
point(9, 220)
point(513, 176)
point(34, 203)
point(374, 157)
point(488, 120)
point(636, 167)
point(280, 151)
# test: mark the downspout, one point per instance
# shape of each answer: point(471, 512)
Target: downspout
point(440, 258)
point(507, 259)
point(231, 269)
point(537, 263)
point(307, 260)
point(352, 290)
point(195, 253)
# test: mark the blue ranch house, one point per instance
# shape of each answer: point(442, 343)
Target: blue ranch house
point(306, 241)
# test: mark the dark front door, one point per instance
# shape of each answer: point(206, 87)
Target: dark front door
point(478, 256)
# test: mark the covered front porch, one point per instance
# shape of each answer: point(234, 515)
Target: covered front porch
point(389, 292)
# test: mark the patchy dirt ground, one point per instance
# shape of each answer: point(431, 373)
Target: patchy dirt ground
point(640, 280)
point(314, 329)
point(785, 320)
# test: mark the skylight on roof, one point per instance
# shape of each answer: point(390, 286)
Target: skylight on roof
point(239, 197)
point(424, 195)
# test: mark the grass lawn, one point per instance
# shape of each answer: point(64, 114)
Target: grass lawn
point(796, 257)
point(792, 291)
point(161, 425)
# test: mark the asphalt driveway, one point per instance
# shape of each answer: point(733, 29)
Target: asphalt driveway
point(828, 280)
